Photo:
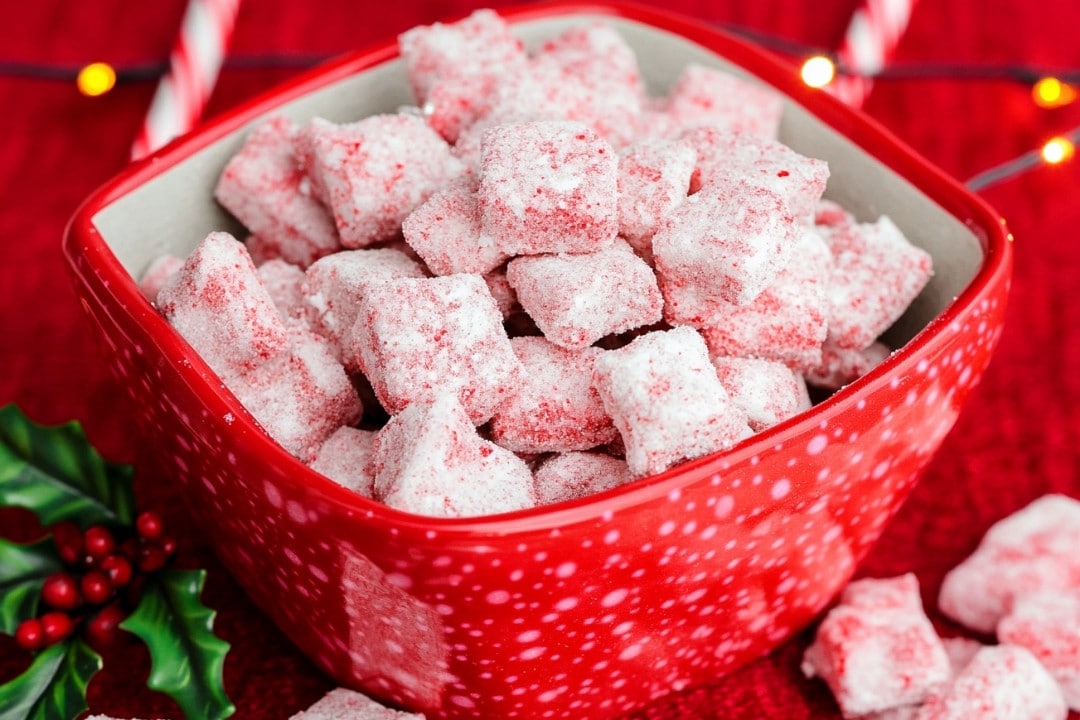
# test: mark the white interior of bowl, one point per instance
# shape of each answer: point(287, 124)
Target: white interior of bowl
point(173, 212)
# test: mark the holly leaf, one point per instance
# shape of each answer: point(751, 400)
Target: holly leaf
point(55, 472)
point(187, 659)
point(54, 686)
point(23, 569)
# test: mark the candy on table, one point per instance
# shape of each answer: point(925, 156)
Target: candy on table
point(555, 407)
point(334, 285)
point(654, 178)
point(876, 649)
point(769, 392)
point(662, 392)
point(577, 299)
point(547, 187)
point(709, 96)
point(283, 281)
point(345, 458)
point(445, 232)
point(876, 275)
point(572, 475)
point(1048, 625)
point(155, 275)
point(218, 304)
point(454, 68)
point(417, 338)
point(728, 241)
point(1029, 551)
point(264, 187)
point(345, 704)
point(430, 460)
point(787, 322)
point(1001, 682)
point(840, 366)
point(302, 396)
point(374, 172)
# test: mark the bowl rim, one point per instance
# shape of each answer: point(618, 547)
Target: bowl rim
point(82, 241)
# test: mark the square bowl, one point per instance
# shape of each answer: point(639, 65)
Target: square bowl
point(590, 608)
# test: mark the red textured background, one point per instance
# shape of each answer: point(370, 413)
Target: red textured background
point(1017, 440)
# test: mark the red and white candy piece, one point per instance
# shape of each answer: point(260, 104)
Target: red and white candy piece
point(346, 458)
point(1048, 625)
point(283, 281)
point(446, 232)
point(769, 392)
point(573, 475)
point(155, 275)
point(344, 704)
point(654, 179)
point(708, 96)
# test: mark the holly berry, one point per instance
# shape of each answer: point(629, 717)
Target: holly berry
point(68, 539)
point(30, 635)
point(151, 558)
point(169, 546)
point(149, 525)
point(96, 587)
point(98, 541)
point(103, 629)
point(61, 591)
point(118, 568)
point(56, 626)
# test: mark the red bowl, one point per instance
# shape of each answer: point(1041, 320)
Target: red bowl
point(583, 609)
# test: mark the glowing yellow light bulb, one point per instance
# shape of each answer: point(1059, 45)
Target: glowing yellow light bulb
point(96, 79)
point(1058, 150)
point(1050, 92)
point(818, 71)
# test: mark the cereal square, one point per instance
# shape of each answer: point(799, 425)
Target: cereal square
point(346, 457)
point(572, 475)
point(654, 179)
point(345, 704)
point(769, 392)
point(708, 96)
point(446, 233)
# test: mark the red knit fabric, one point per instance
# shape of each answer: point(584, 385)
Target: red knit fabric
point(1018, 438)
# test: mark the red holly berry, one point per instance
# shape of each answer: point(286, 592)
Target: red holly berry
point(56, 626)
point(149, 525)
point(102, 630)
point(68, 539)
point(61, 591)
point(30, 635)
point(168, 545)
point(118, 568)
point(151, 557)
point(98, 541)
point(96, 587)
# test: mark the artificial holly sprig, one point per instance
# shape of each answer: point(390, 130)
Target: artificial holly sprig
point(102, 570)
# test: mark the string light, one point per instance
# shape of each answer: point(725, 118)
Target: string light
point(1050, 92)
point(818, 71)
point(1057, 150)
point(96, 79)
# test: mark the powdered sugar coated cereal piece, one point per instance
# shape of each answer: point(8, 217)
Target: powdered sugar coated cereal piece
point(265, 188)
point(548, 186)
point(578, 299)
point(572, 475)
point(555, 407)
point(841, 366)
point(430, 460)
point(708, 96)
point(504, 295)
point(871, 286)
point(445, 232)
point(161, 269)
point(786, 322)
point(218, 304)
point(334, 285)
point(1048, 625)
point(283, 282)
point(662, 392)
point(769, 392)
point(730, 241)
point(344, 704)
point(1002, 682)
point(417, 338)
point(1032, 550)
point(374, 172)
point(877, 650)
point(346, 457)
point(454, 68)
point(654, 177)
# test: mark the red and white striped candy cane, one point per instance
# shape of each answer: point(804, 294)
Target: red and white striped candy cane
point(193, 69)
point(870, 41)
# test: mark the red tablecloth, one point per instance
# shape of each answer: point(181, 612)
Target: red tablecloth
point(1017, 440)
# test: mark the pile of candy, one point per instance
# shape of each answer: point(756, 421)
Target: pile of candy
point(550, 281)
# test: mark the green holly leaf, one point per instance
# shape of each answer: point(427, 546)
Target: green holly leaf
point(23, 569)
point(54, 686)
point(57, 473)
point(187, 659)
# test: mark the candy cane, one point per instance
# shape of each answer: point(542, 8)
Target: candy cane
point(869, 43)
point(193, 69)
